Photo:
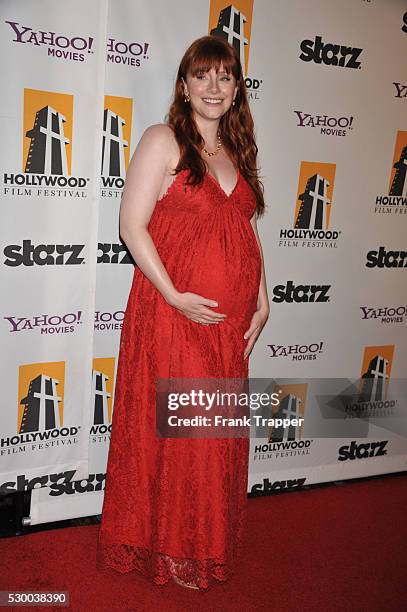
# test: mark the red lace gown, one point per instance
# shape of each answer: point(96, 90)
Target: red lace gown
point(177, 506)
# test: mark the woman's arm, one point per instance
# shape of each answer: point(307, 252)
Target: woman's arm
point(262, 300)
point(144, 178)
point(147, 169)
point(260, 317)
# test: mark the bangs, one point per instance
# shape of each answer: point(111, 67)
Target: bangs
point(212, 56)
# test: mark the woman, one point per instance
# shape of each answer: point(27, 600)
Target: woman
point(174, 508)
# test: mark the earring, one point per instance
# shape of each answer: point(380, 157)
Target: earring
point(234, 102)
point(186, 98)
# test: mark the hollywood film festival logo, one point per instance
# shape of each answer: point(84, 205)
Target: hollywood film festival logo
point(117, 123)
point(40, 424)
point(280, 442)
point(372, 398)
point(395, 202)
point(40, 419)
point(232, 21)
point(47, 149)
point(102, 392)
point(313, 210)
point(371, 402)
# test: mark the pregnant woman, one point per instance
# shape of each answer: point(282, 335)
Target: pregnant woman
point(175, 508)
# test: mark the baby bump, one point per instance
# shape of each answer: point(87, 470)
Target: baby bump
point(233, 287)
point(230, 276)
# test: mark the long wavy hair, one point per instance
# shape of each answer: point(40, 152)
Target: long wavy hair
point(236, 125)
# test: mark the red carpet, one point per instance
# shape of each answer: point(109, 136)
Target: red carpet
point(332, 548)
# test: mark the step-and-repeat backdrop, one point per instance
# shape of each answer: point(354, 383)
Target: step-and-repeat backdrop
point(328, 92)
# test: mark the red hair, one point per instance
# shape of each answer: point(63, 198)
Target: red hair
point(236, 125)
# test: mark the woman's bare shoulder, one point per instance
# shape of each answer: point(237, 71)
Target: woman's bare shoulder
point(159, 133)
point(161, 138)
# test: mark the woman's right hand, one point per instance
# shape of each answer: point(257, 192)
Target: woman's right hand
point(196, 308)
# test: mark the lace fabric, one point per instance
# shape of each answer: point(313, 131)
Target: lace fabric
point(160, 568)
point(177, 507)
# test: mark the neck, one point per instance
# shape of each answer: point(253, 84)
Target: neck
point(208, 131)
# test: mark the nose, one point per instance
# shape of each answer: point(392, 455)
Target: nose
point(213, 83)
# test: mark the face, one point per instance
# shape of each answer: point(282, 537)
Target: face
point(211, 93)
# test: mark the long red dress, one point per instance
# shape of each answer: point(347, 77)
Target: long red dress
point(178, 505)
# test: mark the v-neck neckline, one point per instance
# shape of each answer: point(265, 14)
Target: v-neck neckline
point(228, 196)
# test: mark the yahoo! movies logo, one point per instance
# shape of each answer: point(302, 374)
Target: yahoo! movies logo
point(330, 54)
point(313, 210)
point(127, 53)
point(395, 202)
point(297, 352)
point(117, 121)
point(232, 21)
point(108, 320)
point(46, 324)
point(325, 124)
point(385, 314)
point(46, 149)
point(102, 392)
point(59, 46)
point(40, 415)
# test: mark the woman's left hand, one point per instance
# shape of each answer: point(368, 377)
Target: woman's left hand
point(256, 325)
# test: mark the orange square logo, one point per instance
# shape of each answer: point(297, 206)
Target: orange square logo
point(40, 396)
point(314, 196)
point(233, 22)
point(103, 387)
point(47, 132)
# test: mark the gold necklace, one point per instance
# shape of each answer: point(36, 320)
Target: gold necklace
point(217, 148)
